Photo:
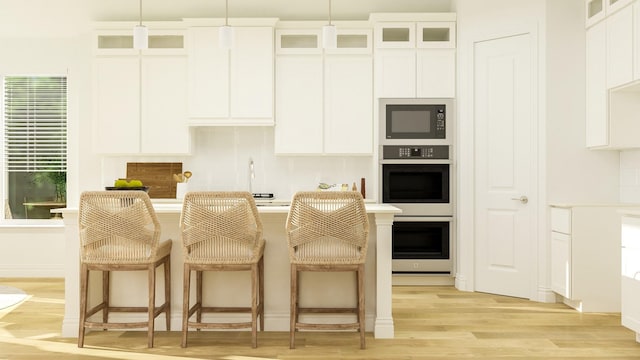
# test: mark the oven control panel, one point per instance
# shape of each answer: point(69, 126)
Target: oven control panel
point(418, 152)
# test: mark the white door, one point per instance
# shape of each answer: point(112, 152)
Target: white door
point(505, 137)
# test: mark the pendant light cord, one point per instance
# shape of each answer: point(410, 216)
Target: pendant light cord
point(329, 12)
point(226, 13)
point(140, 13)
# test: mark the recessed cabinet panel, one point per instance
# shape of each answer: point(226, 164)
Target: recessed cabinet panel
point(620, 47)
point(396, 73)
point(252, 74)
point(208, 74)
point(348, 104)
point(299, 109)
point(116, 105)
point(164, 105)
point(436, 73)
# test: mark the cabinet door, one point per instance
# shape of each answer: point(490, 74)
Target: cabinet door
point(436, 73)
point(561, 264)
point(620, 47)
point(392, 35)
point(348, 104)
point(299, 115)
point(208, 75)
point(164, 105)
point(252, 74)
point(597, 122)
point(595, 11)
point(396, 73)
point(116, 104)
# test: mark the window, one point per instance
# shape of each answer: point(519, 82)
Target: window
point(35, 145)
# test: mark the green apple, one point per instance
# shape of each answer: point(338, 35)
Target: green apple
point(135, 183)
point(121, 183)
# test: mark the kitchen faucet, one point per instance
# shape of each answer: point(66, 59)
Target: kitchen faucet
point(252, 175)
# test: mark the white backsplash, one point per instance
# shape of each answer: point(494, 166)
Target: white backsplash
point(221, 156)
point(630, 176)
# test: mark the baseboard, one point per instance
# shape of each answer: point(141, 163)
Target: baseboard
point(422, 280)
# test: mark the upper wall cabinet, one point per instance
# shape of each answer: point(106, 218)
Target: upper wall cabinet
point(611, 55)
point(231, 86)
point(324, 96)
point(139, 97)
point(415, 58)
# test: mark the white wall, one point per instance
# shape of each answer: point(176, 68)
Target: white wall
point(29, 251)
point(575, 174)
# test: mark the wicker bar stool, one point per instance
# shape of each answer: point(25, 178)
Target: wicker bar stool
point(221, 231)
point(327, 231)
point(119, 231)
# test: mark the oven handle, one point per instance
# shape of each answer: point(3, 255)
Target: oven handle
point(401, 218)
point(416, 161)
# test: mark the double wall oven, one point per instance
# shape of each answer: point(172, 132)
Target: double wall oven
point(417, 175)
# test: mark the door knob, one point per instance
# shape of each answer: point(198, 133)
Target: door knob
point(523, 199)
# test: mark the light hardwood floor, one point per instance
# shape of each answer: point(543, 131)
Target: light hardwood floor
point(431, 323)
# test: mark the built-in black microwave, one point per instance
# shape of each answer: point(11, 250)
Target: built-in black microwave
point(415, 119)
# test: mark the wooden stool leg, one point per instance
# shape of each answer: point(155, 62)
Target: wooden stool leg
point(84, 285)
point(106, 276)
point(254, 305)
point(167, 291)
point(152, 303)
point(186, 285)
point(199, 275)
point(261, 292)
point(361, 318)
point(294, 306)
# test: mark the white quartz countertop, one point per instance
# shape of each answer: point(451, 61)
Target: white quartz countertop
point(572, 205)
point(263, 208)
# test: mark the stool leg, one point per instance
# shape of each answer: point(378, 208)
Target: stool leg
point(199, 275)
point(254, 305)
point(361, 319)
point(294, 306)
point(186, 285)
point(106, 276)
point(167, 291)
point(84, 285)
point(152, 303)
point(261, 292)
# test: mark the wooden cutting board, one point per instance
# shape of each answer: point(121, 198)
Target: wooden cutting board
point(158, 176)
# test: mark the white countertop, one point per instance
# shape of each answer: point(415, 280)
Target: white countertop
point(175, 207)
point(571, 205)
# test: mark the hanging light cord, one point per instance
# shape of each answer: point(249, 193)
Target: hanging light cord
point(226, 13)
point(140, 17)
point(329, 12)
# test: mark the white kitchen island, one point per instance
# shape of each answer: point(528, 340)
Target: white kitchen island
point(234, 287)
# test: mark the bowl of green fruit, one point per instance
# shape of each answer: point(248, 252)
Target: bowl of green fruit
point(125, 184)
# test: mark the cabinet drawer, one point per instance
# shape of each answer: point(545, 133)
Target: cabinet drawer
point(561, 220)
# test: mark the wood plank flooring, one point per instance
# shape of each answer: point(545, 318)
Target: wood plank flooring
point(431, 322)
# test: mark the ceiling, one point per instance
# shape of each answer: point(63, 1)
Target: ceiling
point(64, 17)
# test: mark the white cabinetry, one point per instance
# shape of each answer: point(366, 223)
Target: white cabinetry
point(139, 100)
point(415, 59)
point(630, 286)
point(324, 100)
point(231, 86)
point(609, 64)
point(585, 256)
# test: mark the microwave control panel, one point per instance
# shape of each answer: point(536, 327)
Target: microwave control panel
point(440, 124)
point(418, 152)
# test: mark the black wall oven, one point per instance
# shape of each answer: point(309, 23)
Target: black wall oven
point(422, 245)
point(419, 180)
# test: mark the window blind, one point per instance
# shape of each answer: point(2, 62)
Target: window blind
point(35, 123)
